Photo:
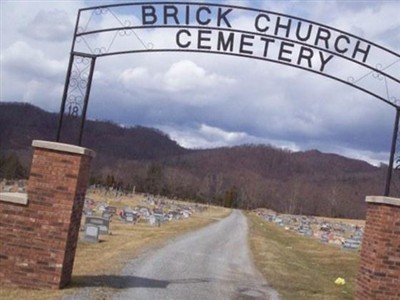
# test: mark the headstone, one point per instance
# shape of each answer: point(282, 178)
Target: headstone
point(305, 230)
point(91, 233)
point(157, 211)
point(352, 244)
point(324, 239)
point(130, 217)
point(102, 223)
point(144, 211)
point(89, 201)
point(152, 220)
point(87, 211)
point(102, 207)
point(325, 227)
point(106, 215)
point(358, 235)
point(111, 209)
point(159, 217)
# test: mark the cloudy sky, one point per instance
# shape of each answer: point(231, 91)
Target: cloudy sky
point(206, 100)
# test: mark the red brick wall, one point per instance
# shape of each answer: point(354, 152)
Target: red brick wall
point(38, 240)
point(379, 273)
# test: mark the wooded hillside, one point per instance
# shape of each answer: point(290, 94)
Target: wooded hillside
point(245, 176)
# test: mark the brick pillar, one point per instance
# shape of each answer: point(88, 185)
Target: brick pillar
point(39, 239)
point(379, 272)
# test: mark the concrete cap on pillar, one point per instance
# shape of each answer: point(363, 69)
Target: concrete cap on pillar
point(383, 200)
point(63, 147)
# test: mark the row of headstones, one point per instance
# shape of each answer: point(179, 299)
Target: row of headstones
point(328, 232)
point(14, 186)
point(94, 225)
point(157, 216)
point(109, 191)
point(131, 215)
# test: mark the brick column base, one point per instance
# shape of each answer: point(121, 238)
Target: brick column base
point(379, 273)
point(39, 237)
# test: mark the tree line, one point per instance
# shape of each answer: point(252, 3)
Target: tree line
point(254, 176)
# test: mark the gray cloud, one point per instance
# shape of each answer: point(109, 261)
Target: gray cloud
point(49, 25)
point(205, 100)
point(26, 62)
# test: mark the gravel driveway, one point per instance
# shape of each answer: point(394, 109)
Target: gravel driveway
point(211, 263)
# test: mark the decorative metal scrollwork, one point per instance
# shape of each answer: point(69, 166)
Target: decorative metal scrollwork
point(378, 74)
point(77, 86)
point(126, 31)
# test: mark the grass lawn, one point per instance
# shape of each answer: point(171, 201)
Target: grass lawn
point(301, 267)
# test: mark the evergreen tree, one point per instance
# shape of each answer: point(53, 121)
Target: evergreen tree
point(11, 168)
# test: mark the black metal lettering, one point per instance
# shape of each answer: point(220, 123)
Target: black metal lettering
point(225, 44)
point(178, 38)
point(73, 110)
point(341, 37)
point(149, 16)
point(257, 24)
point(308, 35)
point(324, 35)
point(324, 60)
point(203, 36)
point(284, 50)
point(187, 15)
point(363, 51)
point(222, 17)
point(171, 11)
point(244, 43)
point(283, 26)
point(199, 20)
point(307, 54)
point(267, 41)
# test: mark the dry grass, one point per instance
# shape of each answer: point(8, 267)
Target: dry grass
point(97, 263)
point(299, 267)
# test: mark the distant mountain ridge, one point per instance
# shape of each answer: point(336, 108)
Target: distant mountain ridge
point(20, 123)
point(245, 176)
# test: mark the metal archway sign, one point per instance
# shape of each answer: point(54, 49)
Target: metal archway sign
point(217, 29)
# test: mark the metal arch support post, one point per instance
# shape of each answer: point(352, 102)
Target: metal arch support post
point(392, 153)
point(78, 83)
point(64, 97)
point(67, 80)
point(86, 100)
